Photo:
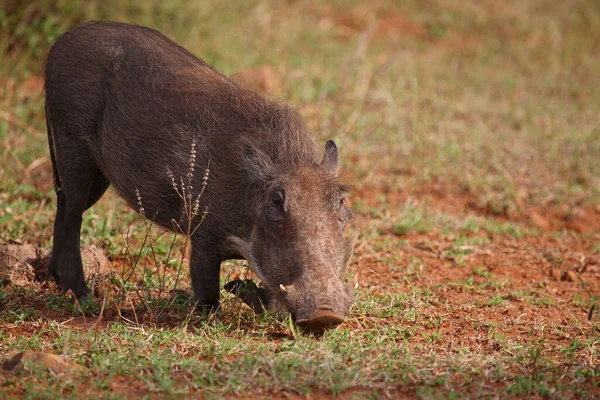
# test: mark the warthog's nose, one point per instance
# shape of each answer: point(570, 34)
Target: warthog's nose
point(320, 321)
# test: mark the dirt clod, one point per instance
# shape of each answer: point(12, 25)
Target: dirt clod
point(18, 263)
point(24, 265)
point(12, 252)
point(556, 273)
point(25, 359)
point(571, 276)
point(95, 262)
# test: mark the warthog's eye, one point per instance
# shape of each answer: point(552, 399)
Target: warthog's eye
point(277, 206)
point(345, 214)
point(277, 198)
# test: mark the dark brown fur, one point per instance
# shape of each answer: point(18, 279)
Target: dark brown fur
point(124, 104)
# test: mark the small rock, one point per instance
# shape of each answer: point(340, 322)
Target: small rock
point(51, 362)
point(556, 273)
point(571, 276)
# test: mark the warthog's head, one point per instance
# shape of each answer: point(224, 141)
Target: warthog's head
point(297, 247)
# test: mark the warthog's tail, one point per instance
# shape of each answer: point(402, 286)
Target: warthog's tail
point(52, 146)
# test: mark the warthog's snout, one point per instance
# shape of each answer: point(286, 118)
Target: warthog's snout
point(320, 321)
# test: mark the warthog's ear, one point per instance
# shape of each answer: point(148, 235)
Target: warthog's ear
point(331, 160)
point(257, 163)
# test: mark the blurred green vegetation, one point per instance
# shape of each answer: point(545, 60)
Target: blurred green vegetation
point(496, 102)
point(32, 26)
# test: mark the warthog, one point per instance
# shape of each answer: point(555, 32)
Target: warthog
point(127, 106)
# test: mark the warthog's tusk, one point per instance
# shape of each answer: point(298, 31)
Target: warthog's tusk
point(283, 289)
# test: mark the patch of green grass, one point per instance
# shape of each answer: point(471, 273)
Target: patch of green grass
point(524, 385)
point(152, 360)
point(416, 267)
point(411, 220)
point(572, 348)
point(481, 280)
point(463, 246)
point(497, 300)
point(482, 272)
point(533, 297)
point(434, 336)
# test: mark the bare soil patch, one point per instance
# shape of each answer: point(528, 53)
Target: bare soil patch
point(584, 219)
